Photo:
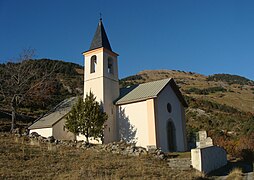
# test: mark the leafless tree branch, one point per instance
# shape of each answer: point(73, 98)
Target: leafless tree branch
point(22, 80)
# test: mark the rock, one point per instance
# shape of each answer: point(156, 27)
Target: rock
point(51, 139)
point(152, 150)
point(78, 144)
point(129, 149)
point(159, 152)
point(57, 141)
point(34, 134)
point(161, 156)
point(40, 138)
point(26, 132)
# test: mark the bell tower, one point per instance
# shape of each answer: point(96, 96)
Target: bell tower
point(101, 78)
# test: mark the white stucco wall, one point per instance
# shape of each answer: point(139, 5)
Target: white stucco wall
point(111, 92)
point(177, 116)
point(133, 123)
point(207, 159)
point(62, 133)
point(45, 132)
point(105, 87)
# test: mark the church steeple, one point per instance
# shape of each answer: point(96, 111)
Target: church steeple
point(100, 38)
point(101, 78)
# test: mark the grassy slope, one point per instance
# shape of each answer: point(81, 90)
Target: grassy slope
point(19, 160)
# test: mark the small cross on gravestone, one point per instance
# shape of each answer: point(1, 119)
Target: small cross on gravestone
point(203, 140)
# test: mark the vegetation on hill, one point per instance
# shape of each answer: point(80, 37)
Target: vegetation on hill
point(35, 98)
point(65, 81)
point(205, 91)
point(231, 79)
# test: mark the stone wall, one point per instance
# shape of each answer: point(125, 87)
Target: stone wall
point(207, 159)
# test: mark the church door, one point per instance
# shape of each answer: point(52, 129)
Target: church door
point(171, 136)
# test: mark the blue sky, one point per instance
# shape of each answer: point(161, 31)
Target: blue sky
point(203, 36)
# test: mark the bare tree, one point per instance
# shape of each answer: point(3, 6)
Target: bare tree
point(21, 80)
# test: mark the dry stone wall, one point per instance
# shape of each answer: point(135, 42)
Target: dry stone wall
point(121, 147)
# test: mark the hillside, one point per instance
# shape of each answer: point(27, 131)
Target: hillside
point(222, 104)
point(239, 95)
point(65, 81)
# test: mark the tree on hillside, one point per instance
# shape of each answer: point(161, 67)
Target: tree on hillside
point(22, 80)
point(75, 117)
point(87, 118)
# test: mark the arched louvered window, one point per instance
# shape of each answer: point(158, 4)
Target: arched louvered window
point(110, 66)
point(93, 64)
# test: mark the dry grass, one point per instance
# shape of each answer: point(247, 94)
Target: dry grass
point(19, 160)
point(180, 154)
point(235, 174)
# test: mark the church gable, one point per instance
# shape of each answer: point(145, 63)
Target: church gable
point(170, 121)
point(152, 114)
point(55, 114)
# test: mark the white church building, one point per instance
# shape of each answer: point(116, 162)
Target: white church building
point(152, 114)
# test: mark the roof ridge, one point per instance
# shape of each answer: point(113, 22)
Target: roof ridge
point(148, 90)
point(143, 91)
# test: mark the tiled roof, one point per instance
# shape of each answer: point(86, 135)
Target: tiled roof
point(100, 38)
point(53, 116)
point(146, 91)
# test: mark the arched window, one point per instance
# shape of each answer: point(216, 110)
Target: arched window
point(169, 107)
point(93, 64)
point(110, 66)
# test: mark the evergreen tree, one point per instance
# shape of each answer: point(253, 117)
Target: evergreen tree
point(87, 118)
point(75, 116)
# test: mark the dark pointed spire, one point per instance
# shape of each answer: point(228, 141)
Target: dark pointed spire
point(100, 38)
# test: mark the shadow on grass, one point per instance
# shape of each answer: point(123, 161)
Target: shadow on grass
point(225, 170)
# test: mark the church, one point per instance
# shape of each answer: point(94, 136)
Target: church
point(151, 115)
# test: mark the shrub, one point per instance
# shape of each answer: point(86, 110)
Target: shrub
point(231, 79)
point(205, 91)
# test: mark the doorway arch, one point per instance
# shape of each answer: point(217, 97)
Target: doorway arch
point(171, 136)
